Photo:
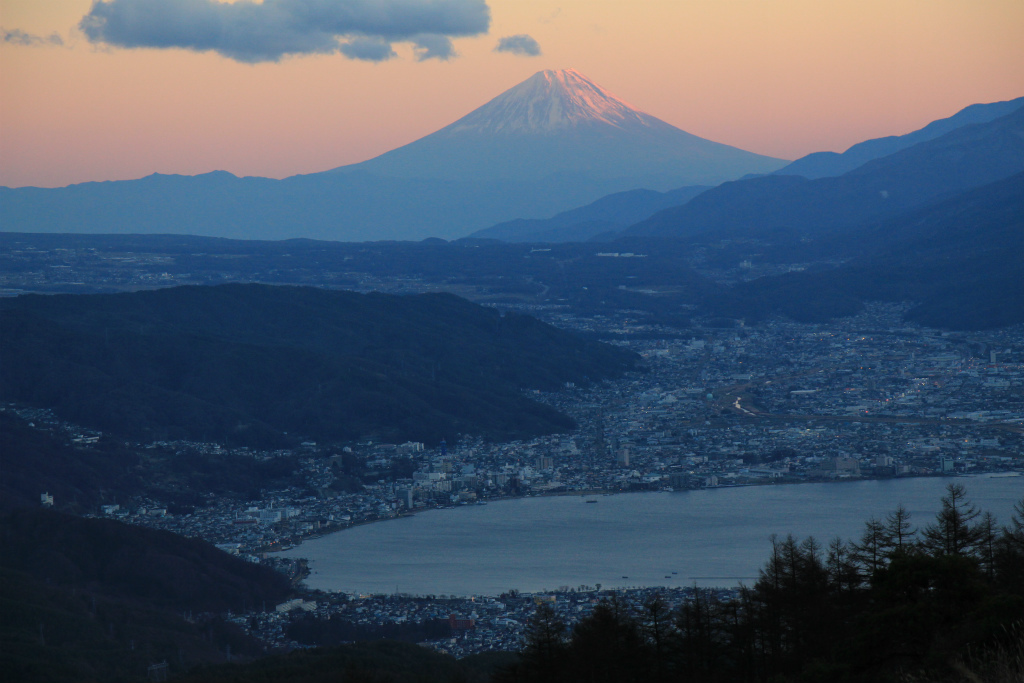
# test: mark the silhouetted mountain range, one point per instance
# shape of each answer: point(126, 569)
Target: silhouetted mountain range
point(250, 363)
point(617, 211)
point(965, 158)
point(829, 164)
point(553, 142)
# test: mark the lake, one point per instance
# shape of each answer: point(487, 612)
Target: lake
point(711, 537)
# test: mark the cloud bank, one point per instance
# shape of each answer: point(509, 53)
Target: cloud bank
point(367, 49)
point(520, 44)
point(433, 46)
point(19, 37)
point(265, 32)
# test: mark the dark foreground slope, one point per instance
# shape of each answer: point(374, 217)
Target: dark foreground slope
point(97, 600)
point(366, 662)
point(134, 563)
point(252, 364)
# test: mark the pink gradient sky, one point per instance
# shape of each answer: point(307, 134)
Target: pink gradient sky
point(777, 77)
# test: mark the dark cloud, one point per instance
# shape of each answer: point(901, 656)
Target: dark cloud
point(249, 32)
point(520, 44)
point(433, 46)
point(19, 37)
point(367, 49)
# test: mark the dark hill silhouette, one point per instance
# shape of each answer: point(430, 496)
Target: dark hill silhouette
point(130, 562)
point(98, 600)
point(248, 363)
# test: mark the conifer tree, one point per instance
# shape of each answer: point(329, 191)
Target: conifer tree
point(607, 646)
point(545, 645)
point(870, 552)
point(841, 564)
point(899, 530)
point(658, 630)
point(954, 531)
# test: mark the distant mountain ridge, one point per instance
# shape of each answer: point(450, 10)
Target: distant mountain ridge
point(608, 214)
point(549, 144)
point(830, 164)
point(967, 157)
point(619, 210)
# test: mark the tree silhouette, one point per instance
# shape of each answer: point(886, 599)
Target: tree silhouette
point(608, 647)
point(545, 645)
point(897, 605)
point(658, 630)
point(953, 532)
point(899, 531)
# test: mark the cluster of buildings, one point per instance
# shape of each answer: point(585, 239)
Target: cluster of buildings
point(459, 626)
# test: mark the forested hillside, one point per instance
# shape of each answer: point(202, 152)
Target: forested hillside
point(98, 600)
point(263, 365)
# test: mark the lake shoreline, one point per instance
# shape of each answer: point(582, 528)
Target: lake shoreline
point(708, 539)
point(604, 492)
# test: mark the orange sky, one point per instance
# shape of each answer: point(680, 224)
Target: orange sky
point(778, 77)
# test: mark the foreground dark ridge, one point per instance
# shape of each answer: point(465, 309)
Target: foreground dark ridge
point(97, 600)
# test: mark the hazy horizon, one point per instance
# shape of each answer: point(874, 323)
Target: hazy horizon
point(90, 96)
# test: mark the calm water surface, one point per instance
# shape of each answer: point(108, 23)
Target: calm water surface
point(709, 537)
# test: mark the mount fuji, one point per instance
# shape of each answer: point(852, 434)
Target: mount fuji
point(559, 123)
point(554, 142)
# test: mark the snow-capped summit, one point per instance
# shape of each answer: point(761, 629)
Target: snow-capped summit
point(550, 102)
point(561, 124)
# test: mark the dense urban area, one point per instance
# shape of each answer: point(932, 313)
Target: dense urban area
point(780, 403)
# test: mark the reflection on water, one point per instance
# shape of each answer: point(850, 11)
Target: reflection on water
point(710, 537)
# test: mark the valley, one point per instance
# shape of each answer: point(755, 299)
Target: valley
point(209, 379)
